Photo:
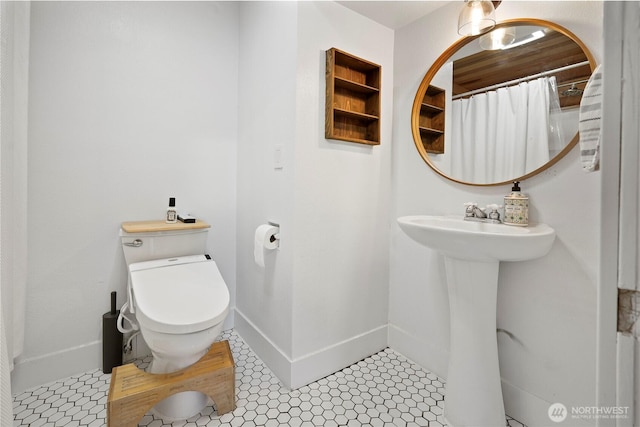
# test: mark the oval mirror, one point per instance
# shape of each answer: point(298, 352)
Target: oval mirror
point(502, 106)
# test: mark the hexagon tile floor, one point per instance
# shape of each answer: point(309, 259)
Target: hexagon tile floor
point(384, 389)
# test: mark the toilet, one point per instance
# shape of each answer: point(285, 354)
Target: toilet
point(178, 298)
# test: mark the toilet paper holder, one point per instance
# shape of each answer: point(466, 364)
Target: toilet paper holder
point(277, 235)
point(267, 238)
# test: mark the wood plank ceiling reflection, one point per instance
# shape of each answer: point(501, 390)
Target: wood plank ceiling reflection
point(490, 67)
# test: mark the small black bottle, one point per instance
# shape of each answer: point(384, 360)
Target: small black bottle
point(172, 214)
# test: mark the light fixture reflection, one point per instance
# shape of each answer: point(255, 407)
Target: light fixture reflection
point(498, 39)
point(533, 36)
point(477, 17)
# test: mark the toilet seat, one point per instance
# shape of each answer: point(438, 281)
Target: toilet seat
point(179, 295)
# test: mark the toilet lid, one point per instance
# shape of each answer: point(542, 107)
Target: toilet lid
point(179, 295)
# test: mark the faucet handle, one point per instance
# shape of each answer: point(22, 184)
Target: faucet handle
point(494, 214)
point(469, 206)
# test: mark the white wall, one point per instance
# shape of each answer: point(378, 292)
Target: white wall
point(548, 305)
point(267, 115)
point(130, 103)
point(341, 209)
point(320, 303)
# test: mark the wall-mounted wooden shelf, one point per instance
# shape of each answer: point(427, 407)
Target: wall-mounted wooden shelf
point(431, 123)
point(352, 107)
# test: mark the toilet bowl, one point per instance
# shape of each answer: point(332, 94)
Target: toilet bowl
point(180, 304)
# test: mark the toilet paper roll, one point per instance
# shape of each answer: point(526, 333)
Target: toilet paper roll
point(265, 240)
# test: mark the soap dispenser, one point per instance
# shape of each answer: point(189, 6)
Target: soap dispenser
point(516, 207)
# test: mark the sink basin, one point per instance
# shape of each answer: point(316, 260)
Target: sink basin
point(472, 254)
point(478, 241)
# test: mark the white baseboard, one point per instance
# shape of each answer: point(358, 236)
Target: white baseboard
point(50, 367)
point(430, 357)
point(295, 373)
point(272, 356)
point(312, 367)
point(533, 411)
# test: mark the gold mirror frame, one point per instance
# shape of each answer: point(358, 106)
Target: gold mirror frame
point(445, 56)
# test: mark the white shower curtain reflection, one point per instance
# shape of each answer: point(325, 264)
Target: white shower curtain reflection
point(502, 134)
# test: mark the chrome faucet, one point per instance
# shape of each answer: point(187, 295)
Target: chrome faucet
point(479, 213)
point(473, 213)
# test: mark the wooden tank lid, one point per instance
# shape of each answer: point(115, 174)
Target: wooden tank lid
point(160, 225)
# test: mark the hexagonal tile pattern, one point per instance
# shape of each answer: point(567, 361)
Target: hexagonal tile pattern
point(383, 390)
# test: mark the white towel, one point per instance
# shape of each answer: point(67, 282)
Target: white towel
point(590, 118)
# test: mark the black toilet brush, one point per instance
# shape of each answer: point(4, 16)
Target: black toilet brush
point(111, 338)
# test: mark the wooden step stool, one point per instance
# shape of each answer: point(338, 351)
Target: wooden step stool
point(133, 392)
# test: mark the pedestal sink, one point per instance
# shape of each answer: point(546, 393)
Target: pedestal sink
point(472, 253)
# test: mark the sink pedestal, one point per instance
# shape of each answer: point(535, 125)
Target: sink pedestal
point(473, 391)
point(472, 253)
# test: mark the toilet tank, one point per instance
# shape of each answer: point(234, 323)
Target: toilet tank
point(159, 240)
